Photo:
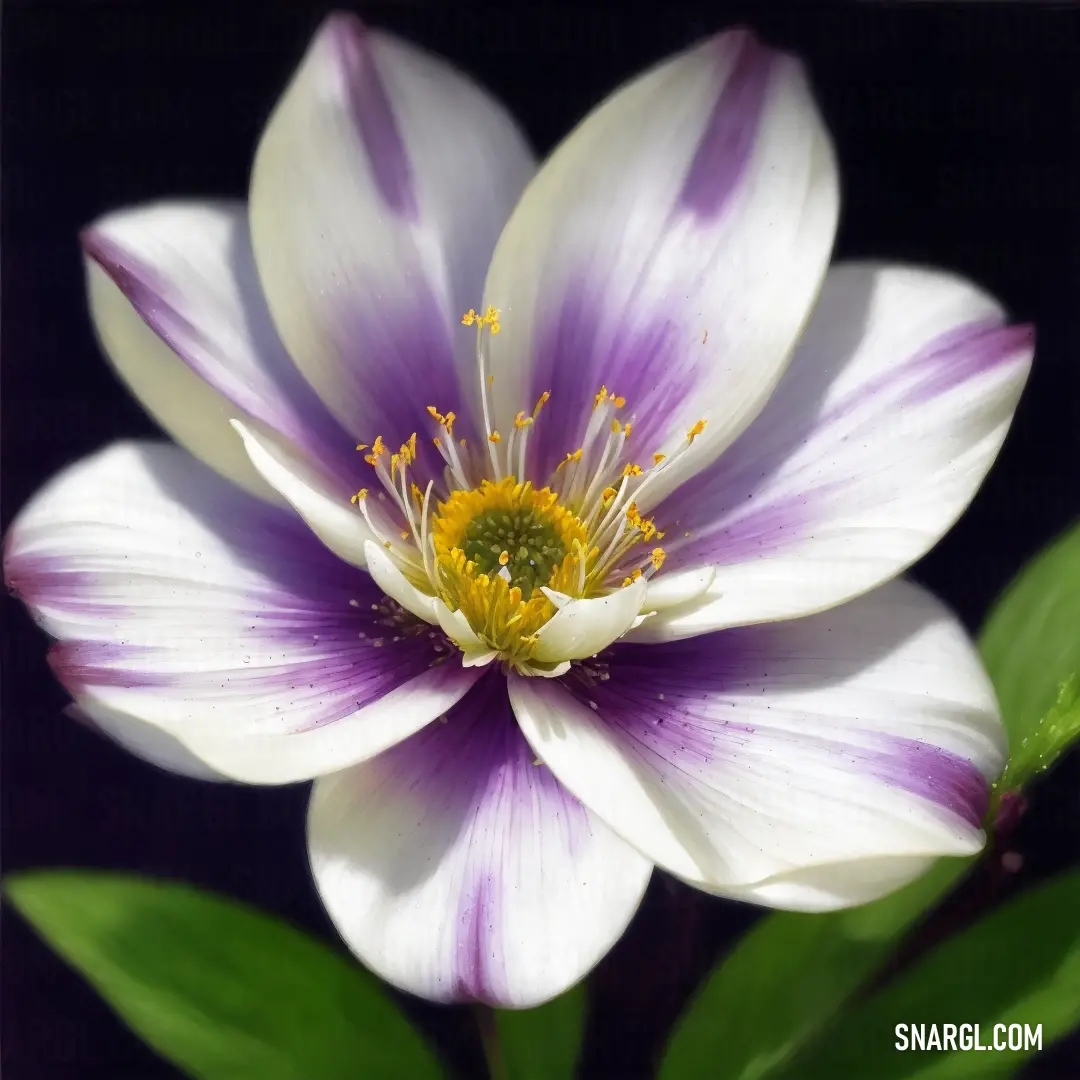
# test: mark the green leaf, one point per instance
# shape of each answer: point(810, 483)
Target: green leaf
point(544, 1043)
point(1030, 644)
point(1018, 965)
point(1051, 736)
point(218, 988)
point(787, 977)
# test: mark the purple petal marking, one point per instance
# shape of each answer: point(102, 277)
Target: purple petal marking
point(315, 639)
point(476, 773)
point(727, 143)
point(932, 774)
point(572, 358)
point(373, 115)
point(654, 698)
point(406, 364)
point(276, 394)
point(963, 353)
point(728, 509)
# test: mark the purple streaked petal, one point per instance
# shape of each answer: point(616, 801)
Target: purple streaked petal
point(379, 187)
point(864, 736)
point(727, 143)
point(878, 436)
point(183, 603)
point(187, 271)
point(458, 868)
point(373, 114)
point(953, 782)
point(670, 249)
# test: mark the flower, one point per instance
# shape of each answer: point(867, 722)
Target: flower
point(622, 597)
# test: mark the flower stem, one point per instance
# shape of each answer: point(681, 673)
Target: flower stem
point(489, 1037)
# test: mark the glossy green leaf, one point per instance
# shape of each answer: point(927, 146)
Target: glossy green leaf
point(787, 977)
point(1018, 965)
point(544, 1043)
point(1043, 743)
point(1030, 644)
point(220, 989)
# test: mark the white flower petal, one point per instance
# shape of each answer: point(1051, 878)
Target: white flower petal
point(379, 187)
point(458, 869)
point(144, 740)
point(394, 583)
point(670, 249)
point(582, 628)
point(184, 603)
point(186, 406)
point(746, 761)
point(877, 438)
point(457, 627)
point(675, 588)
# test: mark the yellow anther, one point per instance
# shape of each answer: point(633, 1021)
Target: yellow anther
point(656, 557)
point(395, 461)
point(437, 441)
point(361, 446)
point(632, 470)
point(405, 534)
point(626, 429)
point(608, 494)
point(635, 575)
point(448, 421)
point(359, 496)
point(601, 397)
point(436, 415)
point(545, 397)
point(616, 427)
point(657, 458)
point(504, 558)
point(521, 420)
point(495, 437)
point(574, 455)
point(406, 454)
point(618, 402)
point(696, 430)
point(462, 443)
point(415, 492)
point(378, 448)
point(470, 317)
point(632, 515)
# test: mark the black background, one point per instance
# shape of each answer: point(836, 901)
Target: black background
point(958, 131)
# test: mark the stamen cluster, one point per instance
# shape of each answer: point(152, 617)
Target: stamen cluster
point(505, 553)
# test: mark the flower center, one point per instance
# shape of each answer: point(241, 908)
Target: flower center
point(502, 554)
point(496, 547)
point(509, 530)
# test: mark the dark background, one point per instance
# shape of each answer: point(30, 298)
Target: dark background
point(958, 130)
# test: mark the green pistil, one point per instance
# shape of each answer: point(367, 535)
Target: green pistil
point(534, 547)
